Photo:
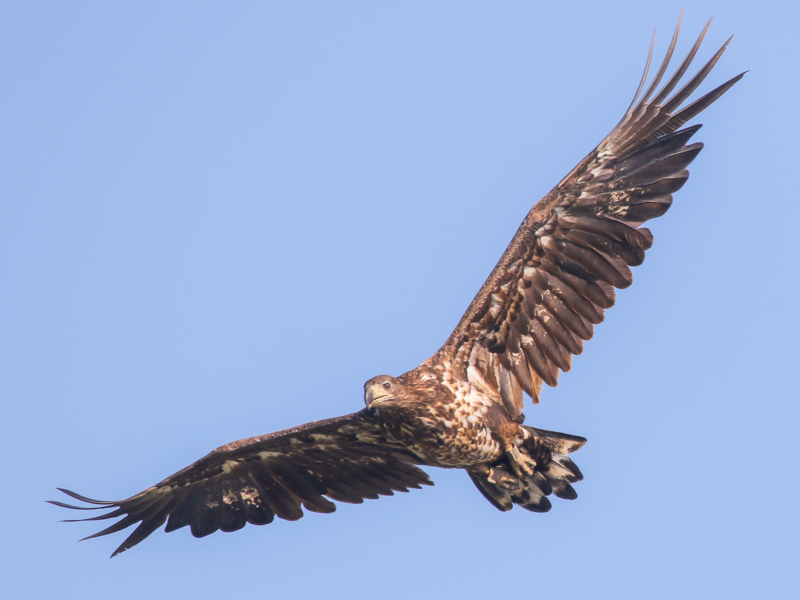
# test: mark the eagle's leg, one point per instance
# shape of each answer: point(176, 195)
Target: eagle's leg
point(521, 463)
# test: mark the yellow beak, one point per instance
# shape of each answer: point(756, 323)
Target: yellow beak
point(374, 394)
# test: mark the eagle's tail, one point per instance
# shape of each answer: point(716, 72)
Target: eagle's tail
point(553, 474)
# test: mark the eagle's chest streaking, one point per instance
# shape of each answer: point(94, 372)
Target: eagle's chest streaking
point(448, 425)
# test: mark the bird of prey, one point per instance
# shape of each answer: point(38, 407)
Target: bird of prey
point(462, 407)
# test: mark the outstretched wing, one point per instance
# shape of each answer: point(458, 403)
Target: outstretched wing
point(576, 245)
point(253, 480)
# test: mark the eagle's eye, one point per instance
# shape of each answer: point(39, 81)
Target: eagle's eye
point(387, 386)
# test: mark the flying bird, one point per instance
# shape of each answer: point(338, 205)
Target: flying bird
point(462, 407)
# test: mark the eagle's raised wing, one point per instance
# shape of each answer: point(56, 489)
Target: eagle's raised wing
point(576, 245)
point(253, 480)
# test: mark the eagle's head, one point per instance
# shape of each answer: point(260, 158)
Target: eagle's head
point(382, 390)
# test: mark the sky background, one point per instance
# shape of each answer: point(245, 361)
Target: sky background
point(217, 220)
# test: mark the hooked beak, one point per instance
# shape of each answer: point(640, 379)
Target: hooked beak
point(374, 395)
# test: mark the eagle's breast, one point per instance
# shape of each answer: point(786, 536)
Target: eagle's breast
point(447, 421)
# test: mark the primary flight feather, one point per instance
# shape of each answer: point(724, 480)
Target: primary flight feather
point(462, 408)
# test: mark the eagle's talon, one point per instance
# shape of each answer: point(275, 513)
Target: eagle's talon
point(522, 464)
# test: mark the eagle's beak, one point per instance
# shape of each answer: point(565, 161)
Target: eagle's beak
point(373, 395)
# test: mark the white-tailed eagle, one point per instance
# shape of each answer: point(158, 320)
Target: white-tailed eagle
point(462, 407)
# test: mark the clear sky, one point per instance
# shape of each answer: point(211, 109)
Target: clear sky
point(218, 220)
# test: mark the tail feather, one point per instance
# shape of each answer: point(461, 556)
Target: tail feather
point(560, 443)
point(562, 468)
point(553, 474)
point(564, 491)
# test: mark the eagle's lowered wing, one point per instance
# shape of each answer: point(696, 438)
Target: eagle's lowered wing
point(576, 245)
point(253, 480)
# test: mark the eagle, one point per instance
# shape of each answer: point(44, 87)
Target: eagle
point(462, 407)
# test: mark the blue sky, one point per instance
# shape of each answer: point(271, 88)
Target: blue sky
point(219, 220)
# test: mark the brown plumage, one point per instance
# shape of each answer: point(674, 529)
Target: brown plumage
point(462, 408)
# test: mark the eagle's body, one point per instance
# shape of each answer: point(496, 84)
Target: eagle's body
point(462, 408)
point(447, 421)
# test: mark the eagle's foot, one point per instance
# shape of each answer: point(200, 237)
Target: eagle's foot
point(522, 464)
point(498, 476)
